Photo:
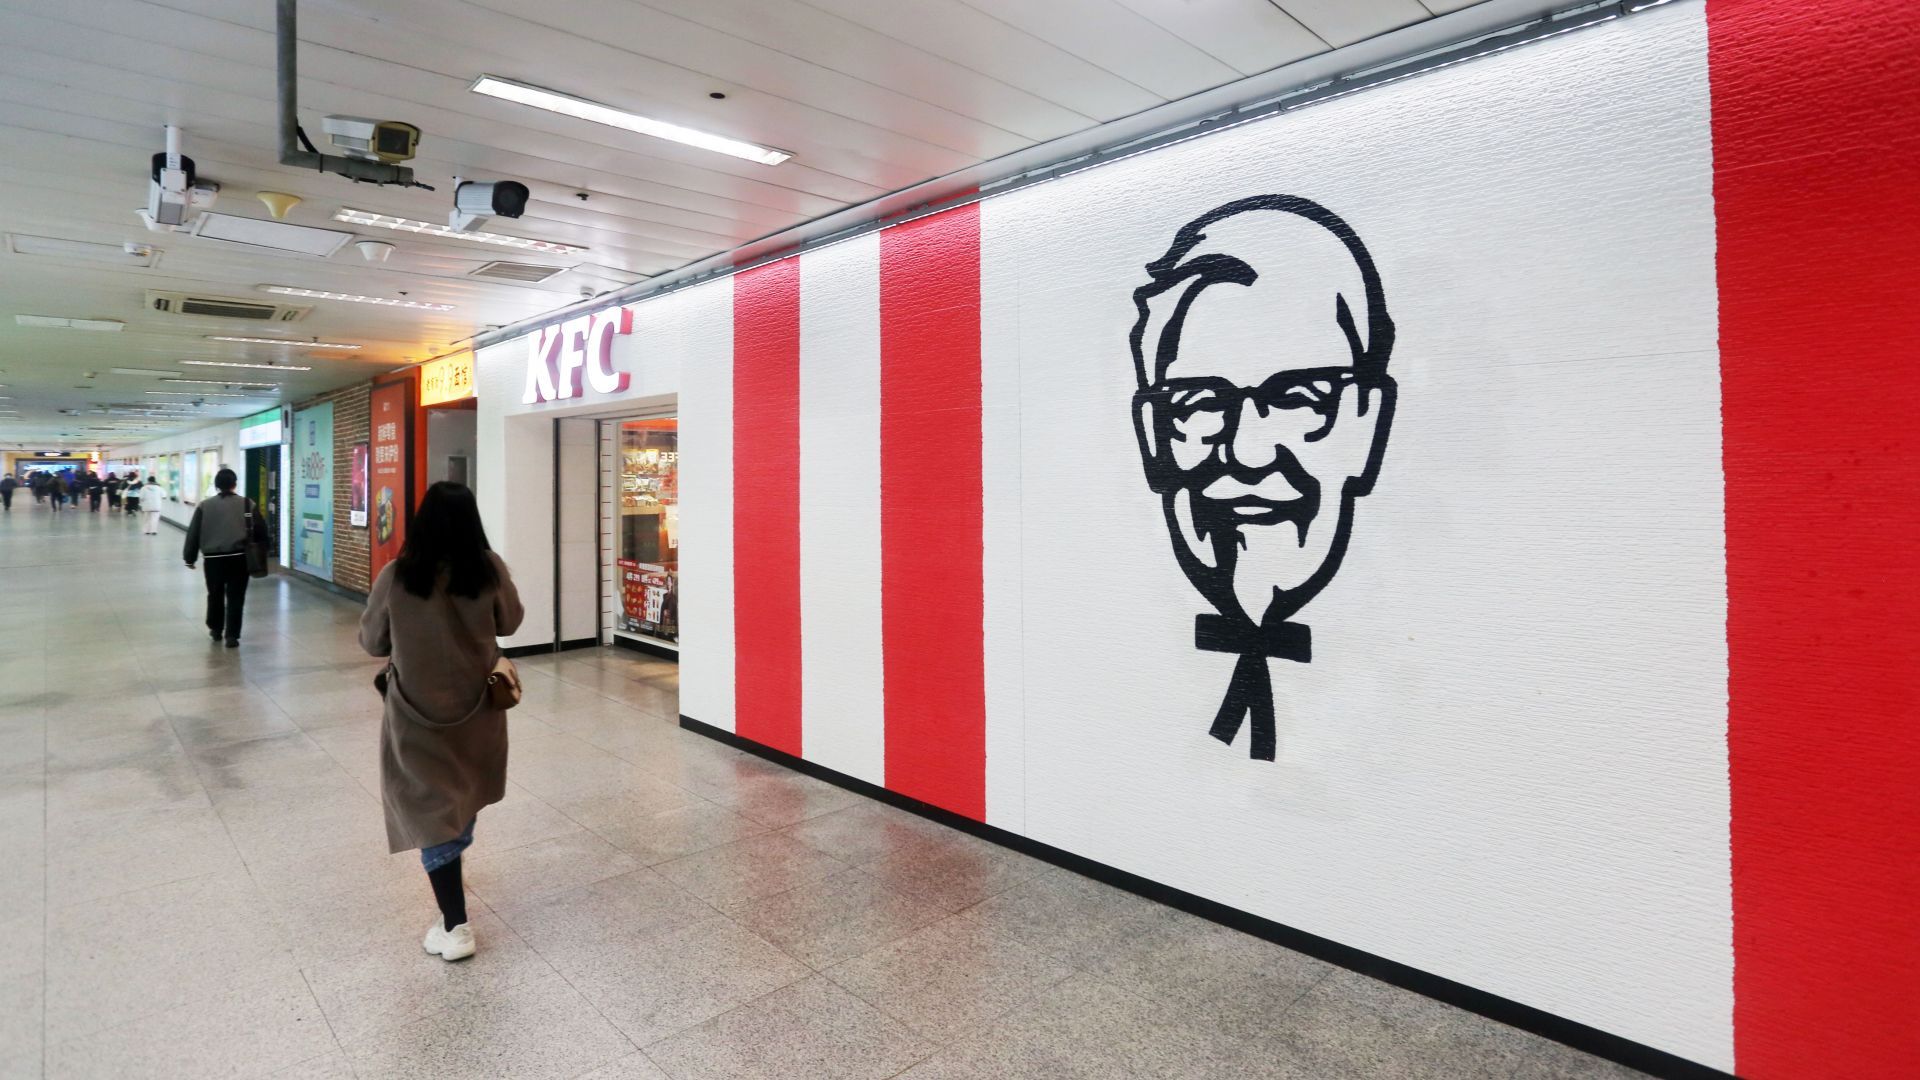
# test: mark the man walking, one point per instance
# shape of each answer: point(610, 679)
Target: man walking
point(219, 531)
point(7, 484)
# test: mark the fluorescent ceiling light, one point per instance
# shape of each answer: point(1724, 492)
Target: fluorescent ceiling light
point(428, 228)
point(136, 255)
point(51, 322)
point(143, 371)
point(284, 341)
point(224, 382)
point(236, 363)
point(355, 298)
point(581, 108)
point(198, 394)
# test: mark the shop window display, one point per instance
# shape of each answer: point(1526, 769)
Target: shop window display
point(647, 478)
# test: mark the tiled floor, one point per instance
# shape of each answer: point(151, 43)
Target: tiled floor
point(194, 883)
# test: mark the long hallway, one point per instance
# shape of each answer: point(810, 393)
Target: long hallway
point(194, 883)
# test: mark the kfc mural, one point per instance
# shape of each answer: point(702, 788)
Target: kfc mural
point(1438, 548)
point(1258, 455)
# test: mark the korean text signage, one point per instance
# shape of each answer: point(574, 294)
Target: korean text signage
point(261, 429)
point(389, 471)
point(313, 491)
point(560, 357)
point(447, 379)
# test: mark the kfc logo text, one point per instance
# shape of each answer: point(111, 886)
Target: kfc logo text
point(558, 356)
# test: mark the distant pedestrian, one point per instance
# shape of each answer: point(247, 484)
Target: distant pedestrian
point(152, 495)
point(219, 532)
point(113, 491)
point(7, 484)
point(131, 494)
point(56, 491)
point(438, 611)
point(96, 488)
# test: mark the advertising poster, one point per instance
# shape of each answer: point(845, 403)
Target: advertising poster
point(190, 484)
point(647, 601)
point(313, 491)
point(173, 477)
point(357, 493)
point(388, 479)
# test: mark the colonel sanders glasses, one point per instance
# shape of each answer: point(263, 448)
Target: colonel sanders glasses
point(1299, 405)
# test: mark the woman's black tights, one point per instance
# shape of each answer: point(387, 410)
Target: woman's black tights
point(449, 893)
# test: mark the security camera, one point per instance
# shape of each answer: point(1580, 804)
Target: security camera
point(474, 203)
point(174, 192)
point(390, 141)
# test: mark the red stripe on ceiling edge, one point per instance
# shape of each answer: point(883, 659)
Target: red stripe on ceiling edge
point(1815, 182)
point(932, 592)
point(766, 504)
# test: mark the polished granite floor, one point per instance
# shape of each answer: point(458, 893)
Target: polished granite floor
point(194, 883)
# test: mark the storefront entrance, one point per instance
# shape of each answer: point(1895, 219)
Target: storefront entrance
point(640, 533)
point(262, 479)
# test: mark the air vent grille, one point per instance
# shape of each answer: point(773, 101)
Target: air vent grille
point(524, 273)
point(223, 307)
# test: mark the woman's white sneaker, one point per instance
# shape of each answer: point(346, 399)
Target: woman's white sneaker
point(454, 944)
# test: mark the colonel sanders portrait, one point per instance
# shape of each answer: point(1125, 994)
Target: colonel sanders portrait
point(1262, 410)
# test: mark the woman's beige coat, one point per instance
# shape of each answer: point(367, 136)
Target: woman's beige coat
point(440, 759)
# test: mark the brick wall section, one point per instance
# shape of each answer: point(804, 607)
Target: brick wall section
point(352, 423)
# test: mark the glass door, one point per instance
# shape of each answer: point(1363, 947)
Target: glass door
point(640, 502)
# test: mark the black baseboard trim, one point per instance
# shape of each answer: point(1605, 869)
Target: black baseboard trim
point(1525, 1017)
point(548, 647)
point(646, 647)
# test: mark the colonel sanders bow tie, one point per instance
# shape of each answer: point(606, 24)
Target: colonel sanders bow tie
point(1250, 694)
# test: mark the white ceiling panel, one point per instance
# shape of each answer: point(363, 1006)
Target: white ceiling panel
point(1250, 36)
point(1343, 22)
point(872, 97)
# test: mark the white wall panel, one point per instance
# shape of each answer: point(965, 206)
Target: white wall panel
point(841, 683)
point(1505, 763)
point(698, 325)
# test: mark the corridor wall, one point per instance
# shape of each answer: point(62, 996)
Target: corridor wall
point(1465, 520)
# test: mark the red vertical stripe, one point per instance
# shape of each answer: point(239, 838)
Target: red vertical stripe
point(1817, 199)
point(766, 504)
point(931, 589)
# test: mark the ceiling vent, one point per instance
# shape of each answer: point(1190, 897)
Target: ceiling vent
point(223, 307)
point(518, 272)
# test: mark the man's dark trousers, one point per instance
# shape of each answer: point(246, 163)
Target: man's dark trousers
point(226, 594)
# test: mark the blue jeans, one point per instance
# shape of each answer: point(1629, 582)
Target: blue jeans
point(439, 855)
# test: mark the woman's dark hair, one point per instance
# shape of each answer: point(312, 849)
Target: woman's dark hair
point(446, 536)
point(224, 480)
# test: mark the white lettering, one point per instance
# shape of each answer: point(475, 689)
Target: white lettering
point(573, 360)
point(543, 349)
point(605, 325)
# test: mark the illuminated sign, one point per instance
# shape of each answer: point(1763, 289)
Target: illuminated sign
point(558, 357)
point(449, 378)
point(261, 429)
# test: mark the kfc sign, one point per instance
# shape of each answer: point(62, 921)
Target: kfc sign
point(558, 356)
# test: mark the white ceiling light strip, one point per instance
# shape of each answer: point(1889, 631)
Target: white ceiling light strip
point(235, 363)
point(428, 228)
point(355, 298)
point(581, 108)
point(289, 342)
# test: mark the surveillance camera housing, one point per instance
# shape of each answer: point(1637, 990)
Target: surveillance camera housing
point(390, 141)
point(474, 202)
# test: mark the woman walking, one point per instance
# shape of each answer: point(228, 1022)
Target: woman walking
point(437, 611)
point(151, 496)
point(220, 530)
